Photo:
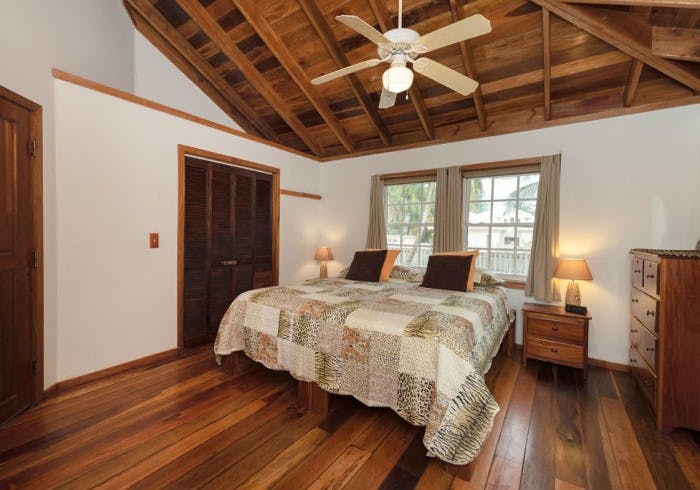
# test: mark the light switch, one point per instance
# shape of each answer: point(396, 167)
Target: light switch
point(153, 240)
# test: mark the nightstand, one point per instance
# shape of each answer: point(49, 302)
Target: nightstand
point(552, 334)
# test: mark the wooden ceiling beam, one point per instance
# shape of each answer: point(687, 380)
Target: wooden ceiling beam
point(273, 42)
point(626, 33)
point(159, 32)
point(632, 83)
point(641, 3)
point(676, 43)
point(547, 63)
point(324, 32)
point(385, 23)
point(469, 66)
point(221, 40)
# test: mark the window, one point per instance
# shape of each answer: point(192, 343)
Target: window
point(410, 220)
point(498, 220)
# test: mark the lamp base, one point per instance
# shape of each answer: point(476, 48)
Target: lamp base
point(323, 273)
point(573, 295)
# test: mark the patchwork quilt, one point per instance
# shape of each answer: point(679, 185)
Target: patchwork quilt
point(422, 352)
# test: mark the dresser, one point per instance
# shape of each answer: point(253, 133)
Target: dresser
point(550, 333)
point(665, 334)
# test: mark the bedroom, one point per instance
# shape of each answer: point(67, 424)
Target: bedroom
point(110, 179)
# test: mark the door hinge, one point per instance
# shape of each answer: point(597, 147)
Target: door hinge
point(35, 259)
point(33, 148)
point(34, 368)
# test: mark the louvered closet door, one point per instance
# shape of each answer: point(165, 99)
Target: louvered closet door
point(262, 273)
point(244, 231)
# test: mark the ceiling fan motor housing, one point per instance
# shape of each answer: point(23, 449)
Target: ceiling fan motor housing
point(401, 40)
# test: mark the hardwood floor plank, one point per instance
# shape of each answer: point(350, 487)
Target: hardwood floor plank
point(687, 452)
point(570, 461)
point(435, 477)
point(409, 467)
point(343, 468)
point(655, 447)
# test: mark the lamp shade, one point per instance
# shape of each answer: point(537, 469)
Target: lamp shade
point(397, 78)
point(323, 253)
point(574, 269)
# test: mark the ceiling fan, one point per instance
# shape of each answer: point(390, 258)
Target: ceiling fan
point(402, 46)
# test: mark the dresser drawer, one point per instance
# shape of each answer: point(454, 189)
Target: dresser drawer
point(651, 277)
point(638, 272)
point(548, 350)
point(646, 379)
point(645, 343)
point(644, 307)
point(555, 329)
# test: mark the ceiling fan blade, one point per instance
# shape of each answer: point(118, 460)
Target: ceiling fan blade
point(445, 76)
point(387, 99)
point(362, 27)
point(473, 26)
point(345, 71)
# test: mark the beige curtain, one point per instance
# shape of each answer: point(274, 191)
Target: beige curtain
point(448, 210)
point(545, 237)
point(376, 231)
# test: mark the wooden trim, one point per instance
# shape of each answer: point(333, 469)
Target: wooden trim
point(306, 195)
point(135, 99)
point(431, 172)
point(613, 366)
point(520, 162)
point(37, 235)
point(182, 152)
point(547, 63)
point(632, 83)
point(514, 285)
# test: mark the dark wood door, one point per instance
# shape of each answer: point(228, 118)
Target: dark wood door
point(228, 242)
point(16, 336)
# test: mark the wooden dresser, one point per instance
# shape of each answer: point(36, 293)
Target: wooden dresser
point(665, 334)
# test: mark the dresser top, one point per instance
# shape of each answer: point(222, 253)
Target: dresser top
point(679, 254)
point(552, 310)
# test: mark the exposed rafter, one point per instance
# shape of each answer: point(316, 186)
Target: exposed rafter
point(626, 33)
point(469, 66)
point(641, 3)
point(632, 83)
point(175, 47)
point(676, 43)
point(324, 32)
point(547, 63)
point(384, 20)
point(260, 25)
point(218, 36)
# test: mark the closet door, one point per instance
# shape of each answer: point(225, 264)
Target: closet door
point(243, 237)
point(262, 272)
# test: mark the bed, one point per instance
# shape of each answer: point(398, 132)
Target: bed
point(422, 352)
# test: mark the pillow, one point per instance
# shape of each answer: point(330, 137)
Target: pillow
point(367, 266)
point(448, 272)
point(486, 278)
point(472, 265)
point(407, 273)
point(391, 256)
point(343, 272)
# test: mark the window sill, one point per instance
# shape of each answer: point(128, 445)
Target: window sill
point(514, 285)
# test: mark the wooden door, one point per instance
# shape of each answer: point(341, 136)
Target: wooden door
point(16, 262)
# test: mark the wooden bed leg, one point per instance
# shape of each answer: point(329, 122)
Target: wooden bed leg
point(313, 398)
point(230, 363)
point(463, 471)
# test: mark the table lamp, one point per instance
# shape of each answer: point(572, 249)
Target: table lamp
point(323, 254)
point(574, 270)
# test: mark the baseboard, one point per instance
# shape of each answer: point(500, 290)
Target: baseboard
point(148, 361)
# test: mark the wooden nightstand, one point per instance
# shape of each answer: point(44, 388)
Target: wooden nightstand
point(552, 334)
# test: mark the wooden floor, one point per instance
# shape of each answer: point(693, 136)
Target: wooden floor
point(184, 424)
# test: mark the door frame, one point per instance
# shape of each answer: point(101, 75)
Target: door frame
point(37, 236)
point(182, 152)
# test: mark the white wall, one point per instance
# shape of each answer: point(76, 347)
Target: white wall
point(631, 181)
point(117, 182)
point(156, 78)
point(91, 38)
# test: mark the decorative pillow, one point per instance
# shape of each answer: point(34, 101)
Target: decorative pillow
point(367, 266)
point(407, 273)
point(391, 256)
point(343, 272)
point(448, 272)
point(486, 278)
point(472, 264)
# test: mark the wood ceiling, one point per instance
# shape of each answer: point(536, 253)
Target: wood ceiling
point(546, 62)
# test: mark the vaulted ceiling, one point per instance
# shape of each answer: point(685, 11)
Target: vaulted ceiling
point(545, 62)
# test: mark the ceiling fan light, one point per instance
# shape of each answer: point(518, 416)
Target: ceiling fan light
point(397, 79)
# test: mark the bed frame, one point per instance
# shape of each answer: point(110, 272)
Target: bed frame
point(315, 399)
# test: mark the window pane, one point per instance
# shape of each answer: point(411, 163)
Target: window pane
point(479, 189)
point(480, 212)
point(502, 261)
point(478, 237)
point(524, 238)
point(528, 186)
point(503, 237)
point(482, 260)
point(522, 262)
point(526, 211)
point(504, 212)
point(505, 187)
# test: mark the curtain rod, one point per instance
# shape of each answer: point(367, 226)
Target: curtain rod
point(520, 162)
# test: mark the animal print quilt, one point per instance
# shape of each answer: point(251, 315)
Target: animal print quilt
point(423, 352)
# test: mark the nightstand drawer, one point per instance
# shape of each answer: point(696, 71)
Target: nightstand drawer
point(556, 329)
point(644, 309)
point(644, 341)
point(571, 355)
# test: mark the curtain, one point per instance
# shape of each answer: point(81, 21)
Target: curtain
point(448, 210)
point(376, 231)
point(545, 236)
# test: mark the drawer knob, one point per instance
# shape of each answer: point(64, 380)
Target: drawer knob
point(650, 276)
point(633, 361)
point(554, 349)
point(635, 300)
point(556, 329)
point(649, 349)
point(634, 330)
point(650, 313)
point(637, 271)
